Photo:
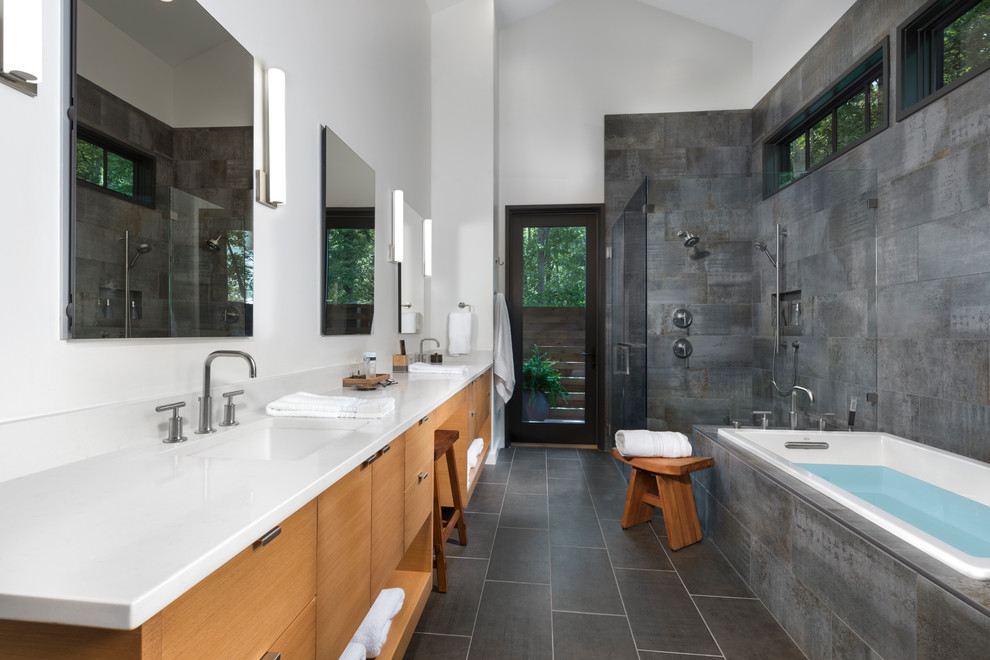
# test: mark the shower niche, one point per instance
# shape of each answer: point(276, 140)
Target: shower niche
point(794, 312)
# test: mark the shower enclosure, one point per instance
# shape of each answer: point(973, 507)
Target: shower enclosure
point(828, 300)
point(140, 272)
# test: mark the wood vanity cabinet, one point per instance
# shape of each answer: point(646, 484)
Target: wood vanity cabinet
point(473, 420)
point(302, 591)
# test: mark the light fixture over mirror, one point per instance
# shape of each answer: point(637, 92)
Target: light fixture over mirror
point(347, 305)
point(427, 248)
point(21, 53)
point(271, 183)
point(412, 299)
point(398, 227)
point(161, 158)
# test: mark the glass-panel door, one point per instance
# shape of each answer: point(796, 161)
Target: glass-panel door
point(553, 300)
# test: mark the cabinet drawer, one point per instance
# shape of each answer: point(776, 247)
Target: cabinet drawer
point(243, 607)
point(419, 451)
point(419, 503)
point(298, 642)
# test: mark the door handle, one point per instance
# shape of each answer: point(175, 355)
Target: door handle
point(590, 359)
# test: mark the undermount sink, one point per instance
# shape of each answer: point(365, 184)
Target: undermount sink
point(275, 440)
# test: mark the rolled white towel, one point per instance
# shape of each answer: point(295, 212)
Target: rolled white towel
point(423, 368)
point(669, 444)
point(474, 451)
point(304, 404)
point(373, 631)
point(354, 651)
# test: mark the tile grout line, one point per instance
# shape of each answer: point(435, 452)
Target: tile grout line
point(615, 578)
point(481, 595)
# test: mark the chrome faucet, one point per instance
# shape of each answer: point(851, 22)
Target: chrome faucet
point(422, 354)
point(794, 411)
point(205, 401)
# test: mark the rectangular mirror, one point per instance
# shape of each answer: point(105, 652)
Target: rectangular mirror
point(411, 297)
point(348, 297)
point(161, 240)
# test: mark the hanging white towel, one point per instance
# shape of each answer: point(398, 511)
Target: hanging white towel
point(459, 332)
point(373, 631)
point(668, 444)
point(304, 404)
point(505, 373)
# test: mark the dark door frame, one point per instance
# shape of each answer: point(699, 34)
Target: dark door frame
point(513, 275)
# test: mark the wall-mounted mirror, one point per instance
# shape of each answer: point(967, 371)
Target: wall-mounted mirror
point(162, 160)
point(411, 296)
point(348, 300)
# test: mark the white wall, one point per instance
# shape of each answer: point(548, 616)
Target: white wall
point(361, 67)
point(206, 94)
point(789, 33)
point(563, 70)
point(463, 166)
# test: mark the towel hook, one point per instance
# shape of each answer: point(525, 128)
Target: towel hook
point(499, 261)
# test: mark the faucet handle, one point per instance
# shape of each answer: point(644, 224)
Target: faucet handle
point(230, 409)
point(823, 419)
point(174, 422)
point(766, 415)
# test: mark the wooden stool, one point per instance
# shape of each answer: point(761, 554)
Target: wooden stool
point(664, 483)
point(443, 444)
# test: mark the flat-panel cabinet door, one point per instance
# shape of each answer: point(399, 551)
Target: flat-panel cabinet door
point(342, 567)
point(387, 513)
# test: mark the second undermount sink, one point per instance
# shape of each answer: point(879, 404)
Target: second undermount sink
point(273, 441)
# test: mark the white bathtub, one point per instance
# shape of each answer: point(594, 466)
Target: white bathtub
point(961, 476)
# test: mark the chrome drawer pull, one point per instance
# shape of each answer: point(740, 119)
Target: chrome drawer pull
point(270, 536)
point(387, 449)
point(424, 420)
point(372, 459)
point(423, 475)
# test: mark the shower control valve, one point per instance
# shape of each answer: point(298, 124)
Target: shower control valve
point(174, 422)
point(230, 408)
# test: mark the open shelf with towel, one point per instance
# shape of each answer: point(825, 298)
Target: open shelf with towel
point(473, 421)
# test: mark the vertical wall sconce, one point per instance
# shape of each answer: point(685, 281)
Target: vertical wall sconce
point(271, 183)
point(398, 227)
point(21, 54)
point(427, 248)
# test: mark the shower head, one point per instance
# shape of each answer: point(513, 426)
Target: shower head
point(214, 243)
point(690, 240)
point(141, 249)
point(762, 247)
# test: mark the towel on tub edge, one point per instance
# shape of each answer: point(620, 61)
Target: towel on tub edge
point(652, 444)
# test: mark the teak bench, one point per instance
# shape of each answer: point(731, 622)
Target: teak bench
point(664, 483)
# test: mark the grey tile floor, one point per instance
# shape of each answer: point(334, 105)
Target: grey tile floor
point(549, 573)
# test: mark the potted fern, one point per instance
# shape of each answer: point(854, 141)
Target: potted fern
point(541, 386)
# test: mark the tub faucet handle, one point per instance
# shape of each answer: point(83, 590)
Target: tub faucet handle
point(765, 423)
point(824, 419)
point(174, 422)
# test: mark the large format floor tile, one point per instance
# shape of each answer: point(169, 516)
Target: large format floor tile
point(549, 573)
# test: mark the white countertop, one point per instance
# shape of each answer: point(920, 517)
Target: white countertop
point(111, 540)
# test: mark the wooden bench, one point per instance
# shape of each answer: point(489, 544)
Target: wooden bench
point(664, 483)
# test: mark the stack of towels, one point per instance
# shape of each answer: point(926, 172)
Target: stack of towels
point(668, 444)
point(423, 368)
point(473, 453)
point(304, 404)
point(373, 631)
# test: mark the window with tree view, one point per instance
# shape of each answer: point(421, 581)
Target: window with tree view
point(945, 44)
point(843, 116)
point(104, 164)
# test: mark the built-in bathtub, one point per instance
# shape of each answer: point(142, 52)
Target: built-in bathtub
point(937, 501)
point(838, 583)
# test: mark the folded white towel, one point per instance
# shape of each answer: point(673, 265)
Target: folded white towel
point(669, 444)
point(373, 631)
point(423, 368)
point(474, 451)
point(304, 404)
point(354, 652)
point(459, 332)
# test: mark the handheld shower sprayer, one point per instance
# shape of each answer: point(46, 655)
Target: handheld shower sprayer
point(141, 249)
point(762, 247)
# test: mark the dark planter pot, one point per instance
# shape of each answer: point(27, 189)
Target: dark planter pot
point(535, 407)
